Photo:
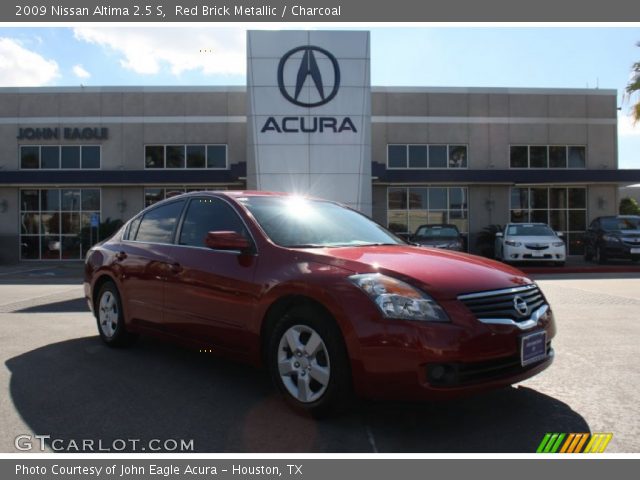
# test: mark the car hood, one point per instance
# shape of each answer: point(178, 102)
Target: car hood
point(442, 273)
point(534, 239)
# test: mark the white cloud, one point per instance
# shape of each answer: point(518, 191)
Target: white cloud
point(148, 50)
point(20, 67)
point(80, 72)
point(626, 128)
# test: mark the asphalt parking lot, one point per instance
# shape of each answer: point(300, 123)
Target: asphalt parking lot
point(58, 379)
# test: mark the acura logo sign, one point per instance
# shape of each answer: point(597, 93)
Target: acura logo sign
point(308, 67)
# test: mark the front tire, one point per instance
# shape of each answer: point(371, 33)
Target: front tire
point(600, 256)
point(110, 317)
point(308, 362)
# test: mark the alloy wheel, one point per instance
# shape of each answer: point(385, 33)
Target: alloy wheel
point(303, 363)
point(108, 314)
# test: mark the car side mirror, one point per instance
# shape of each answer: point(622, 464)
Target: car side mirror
point(222, 240)
point(560, 234)
point(499, 235)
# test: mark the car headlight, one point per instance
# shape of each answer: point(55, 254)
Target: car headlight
point(558, 244)
point(454, 245)
point(611, 238)
point(511, 243)
point(399, 300)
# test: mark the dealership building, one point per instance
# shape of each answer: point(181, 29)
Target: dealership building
point(308, 121)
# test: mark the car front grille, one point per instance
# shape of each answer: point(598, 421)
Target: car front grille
point(501, 304)
point(536, 246)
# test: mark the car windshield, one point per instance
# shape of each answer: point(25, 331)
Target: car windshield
point(529, 230)
point(437, 232)
point(304, 223)
point(620, 224)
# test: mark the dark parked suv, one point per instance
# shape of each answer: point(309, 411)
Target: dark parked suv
point(613, 237)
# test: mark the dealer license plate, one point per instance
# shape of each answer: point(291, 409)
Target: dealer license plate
point(537, 254)
point(533, 348)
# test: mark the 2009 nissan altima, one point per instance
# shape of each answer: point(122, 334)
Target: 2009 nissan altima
point(333, 304)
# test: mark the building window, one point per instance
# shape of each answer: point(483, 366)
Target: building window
point(547, 156)
point(563, 208)
point(410, 207)
point(55, 222)
point(156, 194)
point(186, 156)
point(54, 157)
point(426, 156)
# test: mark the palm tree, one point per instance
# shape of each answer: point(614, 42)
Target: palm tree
point(634, 87)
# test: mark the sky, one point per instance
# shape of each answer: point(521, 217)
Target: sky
point(562, 57)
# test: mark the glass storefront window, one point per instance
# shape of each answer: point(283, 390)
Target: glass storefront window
point(564, 209)
point(426, 156)
point(437, 156)
point(557, 156)
point(186, 156)
point(547, 156)
point(154, 156)
point(418, 156)
point(410, 207)
point(29, 157)
point(577, 157)
point(50, 157)
point(397, 156)
point(519, 157)
point(54, 222)
point(55, 157)
point(70, 157)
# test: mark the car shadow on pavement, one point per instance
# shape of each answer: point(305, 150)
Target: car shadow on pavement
point(155, 395)
point(63, 306)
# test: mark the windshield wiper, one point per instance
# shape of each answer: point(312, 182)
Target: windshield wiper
point(306, 245)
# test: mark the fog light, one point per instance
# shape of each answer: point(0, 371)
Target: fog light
point(437, 372)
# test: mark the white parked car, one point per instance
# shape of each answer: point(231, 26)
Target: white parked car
point(530, 242)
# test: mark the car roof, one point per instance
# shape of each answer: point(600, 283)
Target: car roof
point(437, 225)
point(528, 223)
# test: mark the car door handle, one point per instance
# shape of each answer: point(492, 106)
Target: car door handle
point(121, 256)
point(175, 267)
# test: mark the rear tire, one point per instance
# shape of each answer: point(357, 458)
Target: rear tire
point(110, 317)
point(308, 362)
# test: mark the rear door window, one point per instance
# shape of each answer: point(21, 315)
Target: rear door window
point(158, 225)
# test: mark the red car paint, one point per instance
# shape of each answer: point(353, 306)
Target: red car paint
point(216, 300)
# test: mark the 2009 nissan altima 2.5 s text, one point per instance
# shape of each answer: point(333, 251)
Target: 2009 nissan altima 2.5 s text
point(332, 303)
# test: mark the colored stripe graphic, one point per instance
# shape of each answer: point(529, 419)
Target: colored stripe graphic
point(574, 443)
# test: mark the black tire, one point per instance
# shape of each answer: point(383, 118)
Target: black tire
point(336, 394)
point(112, 329)
point(600, 256)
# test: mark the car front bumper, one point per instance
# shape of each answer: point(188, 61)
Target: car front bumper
point(398, 362)
point(523, 254)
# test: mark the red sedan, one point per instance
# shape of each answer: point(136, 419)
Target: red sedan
point(331, 302)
